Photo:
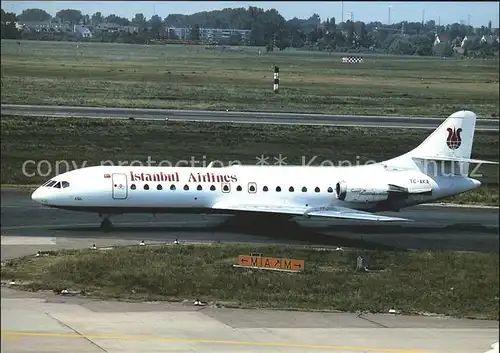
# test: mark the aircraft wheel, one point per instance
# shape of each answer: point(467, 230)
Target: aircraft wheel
point(106, 224)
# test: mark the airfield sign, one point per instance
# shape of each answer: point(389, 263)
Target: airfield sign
point(270, 263)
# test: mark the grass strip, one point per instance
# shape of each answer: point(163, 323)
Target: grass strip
point(197, 77)
point(411, 282)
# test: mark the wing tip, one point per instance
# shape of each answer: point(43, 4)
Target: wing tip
point(394, 219)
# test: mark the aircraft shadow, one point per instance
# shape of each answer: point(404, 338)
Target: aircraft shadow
point(408, 237)
point(399, 229)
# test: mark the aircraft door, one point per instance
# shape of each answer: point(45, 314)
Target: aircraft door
point(120, 189)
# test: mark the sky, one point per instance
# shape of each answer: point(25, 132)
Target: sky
point(476, 13)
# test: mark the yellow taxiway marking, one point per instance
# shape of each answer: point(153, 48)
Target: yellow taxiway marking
point(188, 340)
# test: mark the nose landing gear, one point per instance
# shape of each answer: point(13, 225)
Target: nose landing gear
point(106, 224)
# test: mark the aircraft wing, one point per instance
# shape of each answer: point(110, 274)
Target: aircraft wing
point(326, 212)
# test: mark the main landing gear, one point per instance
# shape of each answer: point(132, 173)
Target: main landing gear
point(106, 224)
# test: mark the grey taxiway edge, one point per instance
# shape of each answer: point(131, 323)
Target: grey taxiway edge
point(237, 117)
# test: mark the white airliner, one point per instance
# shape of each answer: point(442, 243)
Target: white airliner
point(436, 169)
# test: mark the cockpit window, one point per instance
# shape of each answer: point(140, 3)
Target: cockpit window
point(56, 184)
point(45, 184)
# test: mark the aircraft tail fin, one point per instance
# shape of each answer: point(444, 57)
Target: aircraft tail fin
point(450, 145)
point(452, 139)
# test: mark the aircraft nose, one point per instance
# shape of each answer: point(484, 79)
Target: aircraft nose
point(37, 195)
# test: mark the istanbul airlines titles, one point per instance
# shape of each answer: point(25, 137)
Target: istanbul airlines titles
point(178, 177)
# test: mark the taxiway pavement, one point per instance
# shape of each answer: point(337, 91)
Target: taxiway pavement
point(27, 227)
point(47, 322)
point(238, 117)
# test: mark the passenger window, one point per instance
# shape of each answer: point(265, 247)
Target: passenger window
point(225, 188)
point(199, 188)
point(146, 187)
point(65, 184)
point(278, 189)
point(265, 188)
point(212, 188)
point(132, 186)
point(186, 187)
point(291, 189)
point(172, 187)
point(317, 189)
point(239, 188)
point(304, 189)
point(58, 185)
point(330, 190)
point(159, 187)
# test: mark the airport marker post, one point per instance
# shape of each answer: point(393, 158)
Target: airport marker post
point(276, 79)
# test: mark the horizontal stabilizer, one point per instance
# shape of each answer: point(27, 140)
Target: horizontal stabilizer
point(326, 212)
point(454, 159)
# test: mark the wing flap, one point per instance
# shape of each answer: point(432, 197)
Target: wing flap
point(354, 214)
point(285, 209)
point(326, 212)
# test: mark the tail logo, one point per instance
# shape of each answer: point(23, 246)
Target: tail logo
point(454, 140)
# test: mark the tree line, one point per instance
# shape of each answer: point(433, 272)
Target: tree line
point(268, 28)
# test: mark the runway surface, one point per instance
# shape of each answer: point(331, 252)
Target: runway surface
point(440, 228)
point(45, 322)
point(48, 322)
point(238, 117)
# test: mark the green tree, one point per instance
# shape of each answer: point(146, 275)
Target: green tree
point(257, 35)
point(156, 25)
point(485, 49)
point(269, 28)
point(443, 50)
point(430, 25)
point(140, 21)
point(34, 15)
point(350, 33)
point(8, 26)
point(364, 39)
point(69, 15)
point(121, 21)
point(423, 44)
point(97, 18)
point(401, 47)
